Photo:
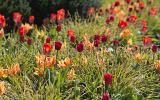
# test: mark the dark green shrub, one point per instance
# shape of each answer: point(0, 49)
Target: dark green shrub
point(43, 8)
point(7, 7)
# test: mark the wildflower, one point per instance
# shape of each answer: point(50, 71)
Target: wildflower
point(29, 41)
point(71, 75)
point(2, 88)
point(154, 48)
point(14, 69)
point(106, 96)
point(122, 24)
point(147, 40)
point(157, 65)
point(53, 17)
point(58, 45)
point(31, 19)
point(80, 47)
point(108, 78)
point(2, 21)
point(125, 33)
point(17, 17)
point(47, 48)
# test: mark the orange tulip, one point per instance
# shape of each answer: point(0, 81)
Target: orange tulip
point(2, 88)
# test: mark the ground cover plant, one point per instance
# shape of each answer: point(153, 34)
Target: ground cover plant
point(113, 54)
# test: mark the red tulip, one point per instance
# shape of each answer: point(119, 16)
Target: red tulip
point(53, 17)
point(29, 41)
point(90, 10)
point(97, 37)
point(22, 31)
point(117, 3)
point(147, 40)
point(110, 19)
point(17, 17)
point(104, 38)
point(128, 1)
point(144, 29)
point(21, 39)
point(132, 19)
point(116, 42)
point(106, 96)
point(122, 24)
point(72, 38)
point(70, 33)
point(58, 45)
point(31, 19)
point(47, 48)
point(153, 11)
point(108, 78)
point(80, 47)
point(59, 28)
point(2, 21)
point(48, 40)
point(144, 23)
point(96, 43)
point(154, 48)
point(60, 14)
point(141, 5)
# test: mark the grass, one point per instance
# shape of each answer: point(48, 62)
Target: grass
point(134, 78)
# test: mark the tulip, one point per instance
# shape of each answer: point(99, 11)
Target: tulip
point(122, 24)
point(29, 41)
point(48, 40)
point(58, 45)
point(31, 19)
point(47, 48)
point(17, 17)
point(106, 96)
point(2, 21)
point(154, 48)
point(108, 78)
point(80, 47)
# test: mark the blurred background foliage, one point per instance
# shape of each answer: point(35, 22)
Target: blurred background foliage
point(42, 8)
